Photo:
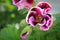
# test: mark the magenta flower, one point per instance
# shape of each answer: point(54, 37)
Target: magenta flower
point(23, 3)
point(36, 16)
point(45, 6)
point(24, 35)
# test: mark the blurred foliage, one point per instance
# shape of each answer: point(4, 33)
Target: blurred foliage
point(12, 23)
point(9, 13)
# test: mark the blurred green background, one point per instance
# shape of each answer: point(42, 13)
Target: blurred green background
point(12, 22)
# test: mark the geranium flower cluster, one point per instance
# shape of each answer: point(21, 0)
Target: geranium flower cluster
point(40, 14)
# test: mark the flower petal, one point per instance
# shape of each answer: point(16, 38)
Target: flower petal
point(37, 10)
point(47, 16)
point(28, 3)
point(49, 22)
point(20, 7)
point(16, 1)
point(47, 25)
point(23, 3)
point(30, 13)
point(44, 28)
point(24, 35)
point(32, 21)
point(45, 6)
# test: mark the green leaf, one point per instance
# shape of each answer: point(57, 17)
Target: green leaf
point(9, 33)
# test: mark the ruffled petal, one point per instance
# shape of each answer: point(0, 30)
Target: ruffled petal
point(49, 22)
point(49, 14)
point(32, 21)
point(15, 1)
point(28, 3)
point(45, 6)
point(47, 25)
point(30, 13)
point(37, 10)
point(23, 3)
point(24, 35)
point(46, 17)
point(44, 28)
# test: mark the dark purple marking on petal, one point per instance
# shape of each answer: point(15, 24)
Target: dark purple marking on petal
point(24, 35)
point(44, 5)
point(32, 21)
point(31, 14)
point(43, 21)
point(44, 27)
point(37, 10)
point(35, 23)
point(49, 23)
point(30, 1)
point(49, 15)
point(16, 1)
point(46, 17)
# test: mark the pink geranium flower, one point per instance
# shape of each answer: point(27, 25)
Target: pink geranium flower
point(45, 6)
point(23, 3)
point(36, 16)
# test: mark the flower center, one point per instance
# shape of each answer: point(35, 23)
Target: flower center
point(38, 18)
